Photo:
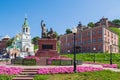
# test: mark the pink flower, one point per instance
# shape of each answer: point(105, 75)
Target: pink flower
point(59, 70)
point(10, 71)
point(110, 65)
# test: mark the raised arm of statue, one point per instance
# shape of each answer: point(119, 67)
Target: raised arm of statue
point(42, 24)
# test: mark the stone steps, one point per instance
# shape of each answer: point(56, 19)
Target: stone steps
point(23, 78)
point(26, 74)
point(29, 71)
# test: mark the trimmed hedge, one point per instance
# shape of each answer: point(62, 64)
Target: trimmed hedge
point(29, 62)
point(21, 61)
point(62, 62)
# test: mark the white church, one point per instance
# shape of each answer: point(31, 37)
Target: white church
point(21, 45)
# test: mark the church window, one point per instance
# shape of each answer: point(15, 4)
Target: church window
point(23, 29)
point(26, 29)
point(27, 49)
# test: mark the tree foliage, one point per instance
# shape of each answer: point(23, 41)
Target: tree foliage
point(35, 40)
point(91, 24)
point(116, 21)
point(9, 42)
point(68, 31)
point(56, 34)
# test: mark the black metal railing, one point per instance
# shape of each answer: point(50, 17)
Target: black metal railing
point(63, 62)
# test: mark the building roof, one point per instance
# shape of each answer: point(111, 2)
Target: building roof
point(7, 37)
point(25, 23)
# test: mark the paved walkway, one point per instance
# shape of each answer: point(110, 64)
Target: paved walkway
point(95, 65)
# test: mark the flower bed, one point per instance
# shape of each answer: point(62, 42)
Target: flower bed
point(66, 70)
point(110, 65)
point(10, 71)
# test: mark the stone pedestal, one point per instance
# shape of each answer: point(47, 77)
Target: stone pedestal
point(47, 48)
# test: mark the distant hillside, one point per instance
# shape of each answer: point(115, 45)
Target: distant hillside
point(116, 30)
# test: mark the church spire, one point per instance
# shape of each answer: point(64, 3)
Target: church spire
point(26, 21)
point(26, 28)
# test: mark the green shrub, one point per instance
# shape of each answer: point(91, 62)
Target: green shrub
point(20, 61)
point(61, 62)
point(17, 61)
point(29, 62)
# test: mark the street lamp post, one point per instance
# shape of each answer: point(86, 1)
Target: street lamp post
point(74, 31)
point(94, 54)
point(110, 53)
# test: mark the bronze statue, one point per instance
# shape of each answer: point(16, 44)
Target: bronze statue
point(44, 30)
point(51, 34)
point(47, 34)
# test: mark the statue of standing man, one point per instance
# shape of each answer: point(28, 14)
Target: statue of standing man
point(44, 30)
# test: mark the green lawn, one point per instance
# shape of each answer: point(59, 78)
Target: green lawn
point(98, 75)
point(99, 57)
point(6, 77)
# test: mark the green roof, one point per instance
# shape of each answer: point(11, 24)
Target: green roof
point(25, 23)
point(12, 46)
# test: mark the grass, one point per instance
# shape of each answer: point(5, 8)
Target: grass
point(6, 77)
point(98, 75)
point(99, 57)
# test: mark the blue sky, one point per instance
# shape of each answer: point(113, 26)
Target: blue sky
point(58, 14)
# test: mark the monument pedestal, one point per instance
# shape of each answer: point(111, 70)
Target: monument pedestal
point(47, 48)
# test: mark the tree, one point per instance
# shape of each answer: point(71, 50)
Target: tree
point(91, 24)
point(68, 31)
point(116, 21)
point(9, 42)
point(35, 40)
point(56, 34)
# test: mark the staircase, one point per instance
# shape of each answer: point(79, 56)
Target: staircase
point(43, 60)
point(26, 74)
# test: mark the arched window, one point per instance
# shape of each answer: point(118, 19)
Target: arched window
point(26, 29)
point(23, 29)
point(27, 49)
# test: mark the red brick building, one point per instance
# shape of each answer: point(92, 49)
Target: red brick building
point(104, 21)
point(3, 43)
point(87, 38)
